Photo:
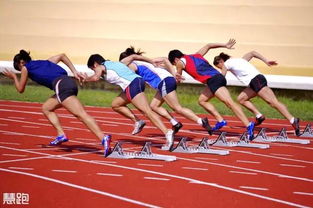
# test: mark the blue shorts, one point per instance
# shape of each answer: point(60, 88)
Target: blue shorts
point(134, 88)
point(167, 85)
point(64, 87)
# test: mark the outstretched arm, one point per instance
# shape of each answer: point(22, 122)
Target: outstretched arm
point(63, 58)
point(165, 63)
point(208, 46)
point(254, 54)
point(127, 60)
point(19, 83)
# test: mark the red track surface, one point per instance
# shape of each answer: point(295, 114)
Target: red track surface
point(77, 175)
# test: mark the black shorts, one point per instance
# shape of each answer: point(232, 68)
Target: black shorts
point(257, 83)
point(64, 87)
point(215, 82)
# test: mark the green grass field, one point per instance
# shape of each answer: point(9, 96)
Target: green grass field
point(299, 103)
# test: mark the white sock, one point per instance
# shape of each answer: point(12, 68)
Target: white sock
point(173, 121)
point(258, 115)
point(292, 120)
point(199, 121)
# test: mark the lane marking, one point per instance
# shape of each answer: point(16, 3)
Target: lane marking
point(3, 124)
point(254, 188)
point(156, 178)
point(204, 158)
point(303, 193)
point(183, 178)
point(10, 143)
point(14, 117)
point(152, 165)
point(241, 172)
point(65, 171)
point(246, 161)
point(33, 127)
point(82, 188)
point(20, 168)
point(283, 155)
point(100, 161)
point(14, 155)
point(110, 174)
point(290, 165)
point(192, 168)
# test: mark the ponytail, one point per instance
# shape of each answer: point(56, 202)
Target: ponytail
point(22, 56)
point(130, 51)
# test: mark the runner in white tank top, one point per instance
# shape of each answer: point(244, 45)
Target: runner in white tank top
point(256, 85)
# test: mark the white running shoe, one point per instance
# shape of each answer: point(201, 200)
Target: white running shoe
point(169, 140)
point(138, 126)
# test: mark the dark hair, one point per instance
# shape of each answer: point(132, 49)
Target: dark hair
point(222, 56)
point(22, 56)
point(95, 58)
point(130, 51)
point(174, 54)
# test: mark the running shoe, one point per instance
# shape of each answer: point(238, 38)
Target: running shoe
point(59, 140)
point(206, 125)
point(258, 121)
point(138, 126)
point(106, 144)
point(250, 130)
point(296, 126)
point(176, 127)
point(169, 140)
point(219, 125)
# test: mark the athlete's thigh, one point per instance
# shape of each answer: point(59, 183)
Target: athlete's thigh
point(120, 100)
point(51, 104)
point(73, 105)
point(172, 100)
point(223, 94)
point(267, 94)
point(206, 94)
point(157, 100)
point(140, 101)
point(246, 94)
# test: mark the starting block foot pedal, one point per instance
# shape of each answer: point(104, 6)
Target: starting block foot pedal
point(281, 137)
point(222, 141)
point(144, 153)
point(308, 131)
point(245, 142)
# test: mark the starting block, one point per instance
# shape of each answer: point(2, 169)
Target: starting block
point(281, 137)
point(144, 153)
point(308, 131)
point(203, 147)
point(243, 142)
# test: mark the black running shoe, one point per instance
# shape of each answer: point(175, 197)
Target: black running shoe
point(258, 121)
point(176, 127)
point(296, 126)
point(206, 125)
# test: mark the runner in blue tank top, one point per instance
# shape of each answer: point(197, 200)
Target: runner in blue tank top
point(161, 79)
point(51, 75)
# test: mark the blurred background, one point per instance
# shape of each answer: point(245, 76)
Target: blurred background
point(281, 30)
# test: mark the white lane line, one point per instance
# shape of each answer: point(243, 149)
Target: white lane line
point(192, 168)
point(290, 165)
point(82, 188)
point(183, 178)
point(110, 174)
point(13, 117)
point(241, 172)
point(20, 168)
point(14, 155)
point(33, 127)
point(84, 139)
point(204, 158)
point(283, 155)
point(156, 178)
point(254, 188)
point(10, 143)
point(104, 161)
point(247, 161)
point(3, 124)
point(65, 171)
point(152, 165)
point(303, 193)
point(104, 124)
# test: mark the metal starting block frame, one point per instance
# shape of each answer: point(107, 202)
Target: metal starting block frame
point(308, 131)
point(203, 147)
point(281, 137)
point(144, 153)
point(243, 142)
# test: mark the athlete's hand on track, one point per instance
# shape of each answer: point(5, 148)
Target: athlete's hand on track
point(230, 43)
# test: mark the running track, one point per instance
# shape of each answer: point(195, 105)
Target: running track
point(77, 175)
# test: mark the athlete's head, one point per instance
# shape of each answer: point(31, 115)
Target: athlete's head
point(174, 56)
point(129, 51)
point(21, 59)
point(95, 60)
point(220, 59)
